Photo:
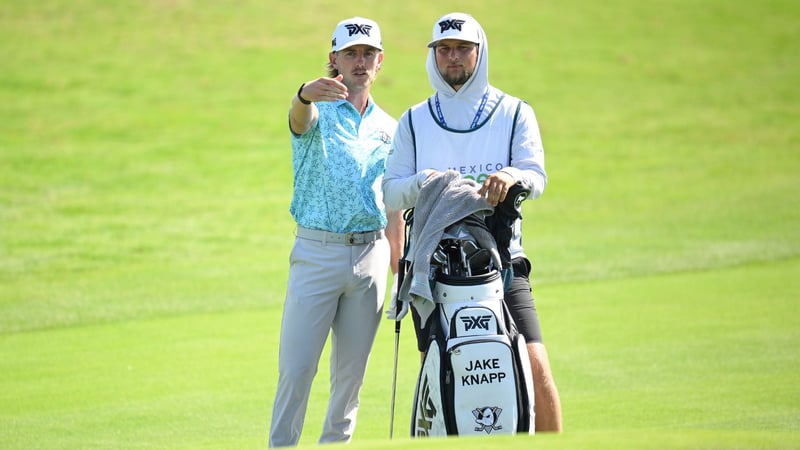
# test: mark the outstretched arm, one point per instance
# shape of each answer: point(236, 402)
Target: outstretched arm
point(303, 114)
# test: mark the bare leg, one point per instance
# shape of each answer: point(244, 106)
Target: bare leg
point(548, 403)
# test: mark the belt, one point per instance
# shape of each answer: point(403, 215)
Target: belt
point(339, 238)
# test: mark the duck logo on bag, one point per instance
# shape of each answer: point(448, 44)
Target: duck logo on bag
point(486, 418)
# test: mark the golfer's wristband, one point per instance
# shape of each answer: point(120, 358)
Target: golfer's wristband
point(300, 97)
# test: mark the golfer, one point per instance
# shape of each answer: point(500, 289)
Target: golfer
point(341, 255)
point(489, 136)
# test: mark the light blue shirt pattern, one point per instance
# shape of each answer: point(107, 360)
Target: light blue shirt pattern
point(338, 169)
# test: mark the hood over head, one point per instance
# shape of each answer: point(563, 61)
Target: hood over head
point(463, 27)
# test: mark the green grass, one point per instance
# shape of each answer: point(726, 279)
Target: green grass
point(145, 180)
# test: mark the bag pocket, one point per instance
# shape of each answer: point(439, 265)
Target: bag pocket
point(481, 386)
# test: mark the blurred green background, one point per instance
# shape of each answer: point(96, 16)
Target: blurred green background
point(145, 180)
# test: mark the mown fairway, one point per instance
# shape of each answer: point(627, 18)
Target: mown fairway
point(145, 180)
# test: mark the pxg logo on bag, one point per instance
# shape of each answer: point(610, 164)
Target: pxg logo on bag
point(475, 321)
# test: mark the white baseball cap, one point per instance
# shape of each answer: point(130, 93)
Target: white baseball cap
point(355, 31)
point(456, 25)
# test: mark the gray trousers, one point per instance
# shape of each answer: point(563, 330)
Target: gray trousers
point(332, 288)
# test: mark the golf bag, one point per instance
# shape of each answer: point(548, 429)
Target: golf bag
point(475, 378)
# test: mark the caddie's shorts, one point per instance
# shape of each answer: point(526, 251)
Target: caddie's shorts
point(519, 301)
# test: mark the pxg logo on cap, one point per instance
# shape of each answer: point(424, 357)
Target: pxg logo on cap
point(459, 26)
point(355, 31)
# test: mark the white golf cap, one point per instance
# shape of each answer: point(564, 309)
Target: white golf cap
point(355, 31)
point(456, 25)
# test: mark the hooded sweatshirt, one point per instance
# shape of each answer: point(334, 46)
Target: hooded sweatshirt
point(505, 137)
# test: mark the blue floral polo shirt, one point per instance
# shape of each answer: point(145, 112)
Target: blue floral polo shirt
point(338, 168)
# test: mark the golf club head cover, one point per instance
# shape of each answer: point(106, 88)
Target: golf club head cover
point(501, 226)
